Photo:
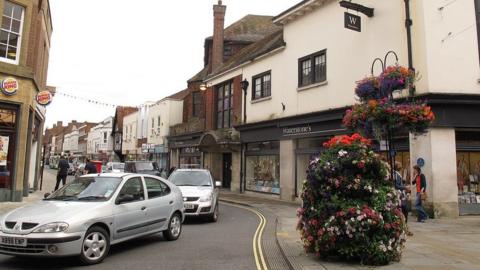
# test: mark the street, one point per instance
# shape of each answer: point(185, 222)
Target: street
point(226, 244)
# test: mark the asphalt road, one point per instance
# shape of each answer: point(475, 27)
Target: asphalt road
point(226, 244)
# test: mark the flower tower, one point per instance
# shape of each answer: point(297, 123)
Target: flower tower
point(350, 208)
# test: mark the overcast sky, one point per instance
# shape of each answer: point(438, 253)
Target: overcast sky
point(127, 52)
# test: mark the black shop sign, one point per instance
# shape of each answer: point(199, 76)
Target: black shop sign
point(353, 22)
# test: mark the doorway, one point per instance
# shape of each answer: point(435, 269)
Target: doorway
point(227, 170)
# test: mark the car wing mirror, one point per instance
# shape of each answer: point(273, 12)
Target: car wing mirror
point(218, 184)
point(125, 198)
point(46, 195)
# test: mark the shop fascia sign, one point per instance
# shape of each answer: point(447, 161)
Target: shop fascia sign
point(44, 98)
point(147, 146)
point(292, 131)
point(9, 86)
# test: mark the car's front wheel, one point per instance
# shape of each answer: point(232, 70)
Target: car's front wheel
point(174, 228)
point(213, 217)
point(95, 246)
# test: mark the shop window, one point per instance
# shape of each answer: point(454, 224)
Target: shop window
point(261, 85)
point(263, 174)
point(312, 68)
point(468, 177)
point(7, 146)
point(11, 32)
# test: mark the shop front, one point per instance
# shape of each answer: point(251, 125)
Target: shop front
point(184, 151)
point(21, 122)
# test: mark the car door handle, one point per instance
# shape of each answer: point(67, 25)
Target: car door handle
point(171, 202)
point(144, 207)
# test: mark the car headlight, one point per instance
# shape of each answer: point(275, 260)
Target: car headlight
point(52, 227)
point(207, 198)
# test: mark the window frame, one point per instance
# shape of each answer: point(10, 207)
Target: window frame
point(262, 85)
point(196, 103)
point(166, 190)
point(125, 183)
point(312, 77)
point(224, 111)
point(9, 31)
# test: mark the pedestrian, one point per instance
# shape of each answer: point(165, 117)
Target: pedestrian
point(402, 193)
point(421, 183)
point(62, 173)
point(90, 167)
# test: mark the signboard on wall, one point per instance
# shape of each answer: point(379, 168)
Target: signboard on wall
point(353, 22)
point(9, 86)
point(44, 98)
point(4, 140)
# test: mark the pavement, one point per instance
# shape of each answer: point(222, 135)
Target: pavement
point(437, 244)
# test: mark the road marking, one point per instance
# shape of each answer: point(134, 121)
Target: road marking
point(257, 237)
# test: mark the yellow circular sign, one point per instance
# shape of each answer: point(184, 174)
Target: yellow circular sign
point(9, 86)
point(44, 98)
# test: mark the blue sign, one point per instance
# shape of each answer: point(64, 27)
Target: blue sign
point(420, 162)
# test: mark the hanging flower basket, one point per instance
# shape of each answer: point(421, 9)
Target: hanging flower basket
point(396, 78)
point(350, 208)
point(381, 114)
point(368, 88)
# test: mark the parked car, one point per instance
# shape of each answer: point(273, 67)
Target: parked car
point(115, 167)
point(89, 214)
point(200, 192)
point(144, 167)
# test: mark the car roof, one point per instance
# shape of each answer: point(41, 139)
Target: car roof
point(109, 174)
point(190, 170)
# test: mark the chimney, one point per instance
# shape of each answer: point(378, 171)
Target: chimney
point(217, 44)
point(59, 124)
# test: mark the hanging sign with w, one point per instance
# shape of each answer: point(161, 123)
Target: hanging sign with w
point(353, 22)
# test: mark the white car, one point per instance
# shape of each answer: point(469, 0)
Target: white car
point(115, 167)
point(86, 216)
point(200, 192)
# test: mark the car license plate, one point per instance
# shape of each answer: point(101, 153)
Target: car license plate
point(14, 241)
point(188, 206)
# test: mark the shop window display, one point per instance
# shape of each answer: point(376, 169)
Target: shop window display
point(468, 176)
point(263, 174)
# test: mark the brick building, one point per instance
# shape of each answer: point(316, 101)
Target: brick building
point(206, 138)
point(24, 52)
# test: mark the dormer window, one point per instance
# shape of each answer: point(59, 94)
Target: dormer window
point(11, 32)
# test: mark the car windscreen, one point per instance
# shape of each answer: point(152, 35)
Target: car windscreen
point(190, 178)
point(87, 189)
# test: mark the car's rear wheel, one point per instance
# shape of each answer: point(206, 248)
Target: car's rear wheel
point(95, 246)
point(213, 217)
point(174, 228)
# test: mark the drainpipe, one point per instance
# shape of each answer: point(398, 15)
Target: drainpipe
point(408, 26)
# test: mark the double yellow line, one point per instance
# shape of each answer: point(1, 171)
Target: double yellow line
point(257, 238)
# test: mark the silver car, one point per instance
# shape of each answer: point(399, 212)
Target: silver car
point(91, 213)
point(200, 192)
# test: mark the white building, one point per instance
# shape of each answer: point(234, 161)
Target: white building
point(303, 78)
point(161, 115)
point(100, 142)
point(129, 138)
point(70, 142)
